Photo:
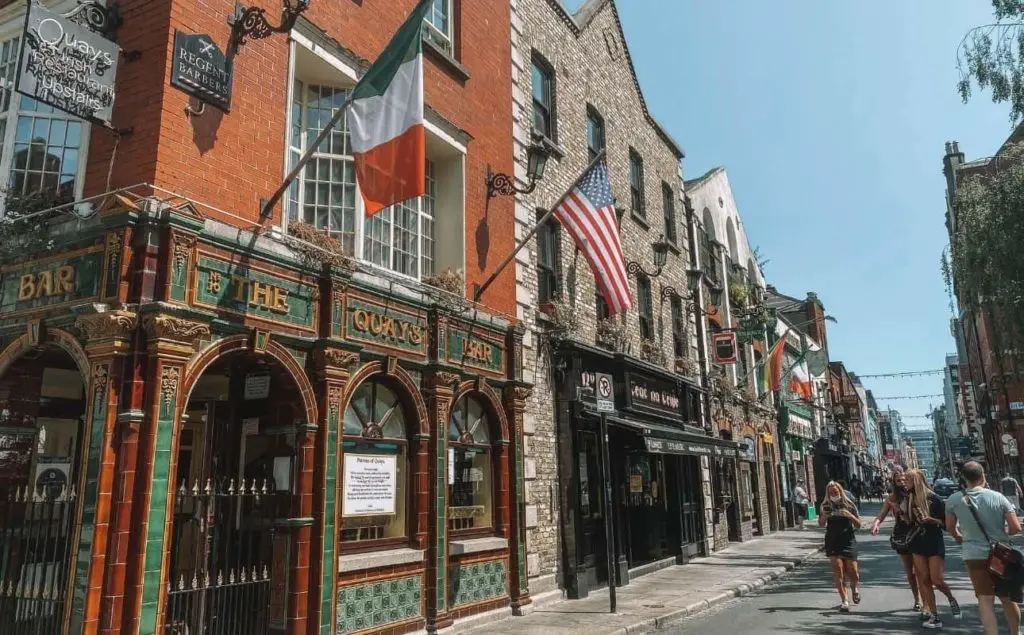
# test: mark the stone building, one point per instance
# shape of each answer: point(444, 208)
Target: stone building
point(575, 94)
point(291, 422)
point(746, 494)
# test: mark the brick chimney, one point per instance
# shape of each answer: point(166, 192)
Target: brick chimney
point(816, 317)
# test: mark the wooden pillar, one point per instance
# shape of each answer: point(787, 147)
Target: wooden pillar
point(333, 371)
point(515, 396)
point(171, 343)
point(439, 392)
point(108, 336)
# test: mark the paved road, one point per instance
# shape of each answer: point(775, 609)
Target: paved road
point(804, 601)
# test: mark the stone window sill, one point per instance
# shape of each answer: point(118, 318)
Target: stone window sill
point(445, 59)
point(639, 220)
point(477, 545)
point(377, 559)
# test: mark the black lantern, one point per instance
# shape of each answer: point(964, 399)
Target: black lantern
point(660, 249)
point(501, 184)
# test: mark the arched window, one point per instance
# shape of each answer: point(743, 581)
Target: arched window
point(375, 467)
point(470, 467)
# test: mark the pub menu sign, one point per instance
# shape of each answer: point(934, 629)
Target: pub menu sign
point(67, 66)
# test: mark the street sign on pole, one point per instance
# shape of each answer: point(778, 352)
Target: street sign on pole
point(605, 393)
point(609, 519)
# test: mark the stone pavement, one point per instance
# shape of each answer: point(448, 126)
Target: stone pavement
point(668, 596)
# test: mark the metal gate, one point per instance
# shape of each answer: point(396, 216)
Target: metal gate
point(221, 553)
point(36, 531)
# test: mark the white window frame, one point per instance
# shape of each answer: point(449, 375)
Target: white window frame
point(12, 24)
point(447, 37)
point(346, 79)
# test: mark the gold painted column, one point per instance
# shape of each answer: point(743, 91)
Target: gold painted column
point(108, 339)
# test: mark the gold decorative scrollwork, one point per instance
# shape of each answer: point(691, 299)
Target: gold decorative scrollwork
point(334, 394)
point(169, 385)
point(167, 327)
point(339, 358)
point(99, 376)
point(107, 325)
point(183, 244)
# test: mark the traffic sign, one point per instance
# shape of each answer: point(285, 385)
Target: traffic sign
point(605, 393)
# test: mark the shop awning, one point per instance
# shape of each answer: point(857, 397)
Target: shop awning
point(661, 439)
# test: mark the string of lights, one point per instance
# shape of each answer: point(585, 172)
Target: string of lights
point(909, 373)
point(902, 397)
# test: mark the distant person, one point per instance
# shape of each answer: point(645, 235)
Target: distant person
point(855, 489)
point(928, 514)
point(841, 520)
point(800, 499)
point(898, 503)
point(995, 520)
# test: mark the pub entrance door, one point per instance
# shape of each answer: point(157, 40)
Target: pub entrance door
point(42, 412)
point(234, 479)
point(691, 505)
point(592, 546)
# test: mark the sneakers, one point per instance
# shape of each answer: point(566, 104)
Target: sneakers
point(917, 606)
point(932, 622)
point(844, 607)
point(856, 597)
point(925, 616)
point(954, 607)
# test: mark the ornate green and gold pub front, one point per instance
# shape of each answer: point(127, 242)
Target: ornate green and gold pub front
point(207, 430)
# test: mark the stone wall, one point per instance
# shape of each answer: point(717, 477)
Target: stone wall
point(591, 68)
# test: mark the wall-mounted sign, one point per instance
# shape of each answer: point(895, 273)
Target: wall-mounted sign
point(605, 392)
point(851, 409)
point(669, 446)
point(35, 286)
point(201, 69)
point(370, 485)
point(67, 66)
point(652, 394)
point(385, 326)
point(468, 349)
point(724, 345)
point(257, 387)
point(223, 286)
point(1017, 405)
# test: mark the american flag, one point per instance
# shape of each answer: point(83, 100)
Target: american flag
point(588, 213)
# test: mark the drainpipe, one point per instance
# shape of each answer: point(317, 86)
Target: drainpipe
point(702, 356)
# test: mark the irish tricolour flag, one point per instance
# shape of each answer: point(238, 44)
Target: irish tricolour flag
point(385, 120)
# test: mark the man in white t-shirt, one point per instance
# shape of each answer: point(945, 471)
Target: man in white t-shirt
point(800, 498)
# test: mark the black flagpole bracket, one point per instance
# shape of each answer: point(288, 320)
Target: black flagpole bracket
point(98, 17)
point(251, 22)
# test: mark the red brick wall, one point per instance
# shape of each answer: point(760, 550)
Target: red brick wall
point(232, 160)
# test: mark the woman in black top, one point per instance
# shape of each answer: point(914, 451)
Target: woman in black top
point(928, 514)
point(840, 518)
point(899, 504)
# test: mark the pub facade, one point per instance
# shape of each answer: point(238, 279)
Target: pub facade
point(218, 420)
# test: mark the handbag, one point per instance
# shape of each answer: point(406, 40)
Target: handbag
point(903, 541)
point(1004, 560)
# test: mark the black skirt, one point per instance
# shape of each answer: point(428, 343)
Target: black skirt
point(840, 539)
point(899, 531)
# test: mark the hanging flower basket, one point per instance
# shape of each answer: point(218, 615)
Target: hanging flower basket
point(611, 334)
point(318, 249)
point(452, 286)
point(651, 352)
point(562, 316)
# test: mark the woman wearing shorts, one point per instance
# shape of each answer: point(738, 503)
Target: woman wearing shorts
point(928, 513)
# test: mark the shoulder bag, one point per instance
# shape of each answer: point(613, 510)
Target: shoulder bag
point(1004, 560)
point(903, 541)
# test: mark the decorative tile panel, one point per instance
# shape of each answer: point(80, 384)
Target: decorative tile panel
point(385, 326)
point(377, 604)
point(223, 286)
point(52, 281)
point(478, 582)
point(467, 349)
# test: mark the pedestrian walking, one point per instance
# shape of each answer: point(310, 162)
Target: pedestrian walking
point(927, 516)
point(898, 504)
point(800, 498)
point(976, 518)
point(841, 520)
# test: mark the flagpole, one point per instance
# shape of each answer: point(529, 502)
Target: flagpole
point(543, 219)
point(268, 204)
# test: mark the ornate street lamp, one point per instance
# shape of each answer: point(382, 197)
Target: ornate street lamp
point(501, 184)
point(660, 248)
point(693, 280)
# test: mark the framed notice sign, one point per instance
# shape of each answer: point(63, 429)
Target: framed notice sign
point(370, 485)
point(724, 344)
point(67, 66)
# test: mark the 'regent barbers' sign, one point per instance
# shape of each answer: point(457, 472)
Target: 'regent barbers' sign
point(67, 66)
point(201, 69)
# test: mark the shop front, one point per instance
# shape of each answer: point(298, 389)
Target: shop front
point(203, 431)
point(656, 460)
point(830, 464)
point(797, 459)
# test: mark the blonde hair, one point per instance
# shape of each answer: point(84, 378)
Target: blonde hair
point(919, 495)
point(843, 500)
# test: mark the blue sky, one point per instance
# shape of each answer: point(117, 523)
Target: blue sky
point(830, 118)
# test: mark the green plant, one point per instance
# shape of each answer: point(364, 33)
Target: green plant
point(992, 56)
point(563, 316)
point(739, 291)
point(651, 352)
point(611, 334)
point(987, 264)
point(26, 226)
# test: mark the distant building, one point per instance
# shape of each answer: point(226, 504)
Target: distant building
point(924, 445)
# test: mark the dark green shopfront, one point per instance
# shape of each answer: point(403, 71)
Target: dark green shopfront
point(208, 430)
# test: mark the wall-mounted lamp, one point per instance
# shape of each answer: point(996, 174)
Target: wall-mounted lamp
point(693, 280)
point(660, 250)
point(252, 22)
point(501, 184)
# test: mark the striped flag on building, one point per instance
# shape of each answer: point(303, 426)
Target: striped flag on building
point(588, 214)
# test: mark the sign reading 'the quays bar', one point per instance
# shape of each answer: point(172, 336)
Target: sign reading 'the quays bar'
point(244, 291)
point(67, 66)
point(45, 283)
